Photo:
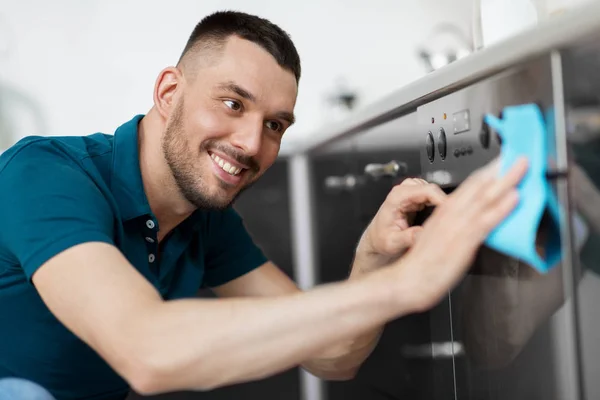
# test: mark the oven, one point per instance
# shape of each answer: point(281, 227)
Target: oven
point(513, 330)
point(505, 331)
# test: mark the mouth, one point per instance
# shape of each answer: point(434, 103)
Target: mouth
point(227, 166)
point(230, 172)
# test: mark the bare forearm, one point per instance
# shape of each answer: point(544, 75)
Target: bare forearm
point(342, 360)
point(191, 344)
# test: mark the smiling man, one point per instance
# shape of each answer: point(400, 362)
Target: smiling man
point(106, 239)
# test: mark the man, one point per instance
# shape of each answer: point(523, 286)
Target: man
point(106, 239)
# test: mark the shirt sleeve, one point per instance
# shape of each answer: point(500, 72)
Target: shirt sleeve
point(48, 203)
point(231, 252)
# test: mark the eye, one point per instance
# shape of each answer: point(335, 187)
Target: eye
point(274, 125)
point(234, 105)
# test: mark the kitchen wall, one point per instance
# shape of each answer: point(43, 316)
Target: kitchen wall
point(71, 67)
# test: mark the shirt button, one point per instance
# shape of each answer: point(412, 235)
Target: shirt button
point(150, 224)
point(149, 240)
point(151, 258)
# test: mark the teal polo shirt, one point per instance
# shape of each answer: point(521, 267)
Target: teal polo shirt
point(57, 192)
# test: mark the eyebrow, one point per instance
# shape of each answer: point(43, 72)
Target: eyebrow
point(240, 91)
point(286, 116)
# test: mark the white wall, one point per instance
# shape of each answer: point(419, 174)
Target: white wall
point(91, 64)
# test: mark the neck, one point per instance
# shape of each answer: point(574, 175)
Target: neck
point(165, 200)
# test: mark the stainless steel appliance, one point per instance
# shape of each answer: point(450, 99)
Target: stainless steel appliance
point(513, 330)
point(506, 331)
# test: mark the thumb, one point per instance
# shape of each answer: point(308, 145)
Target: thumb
point(401, 241)
point(414, 232)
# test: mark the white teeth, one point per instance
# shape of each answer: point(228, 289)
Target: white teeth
point(230, 169)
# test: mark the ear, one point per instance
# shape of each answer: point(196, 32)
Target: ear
point(167, 87)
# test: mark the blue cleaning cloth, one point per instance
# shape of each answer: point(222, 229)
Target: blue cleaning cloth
point(523, 133)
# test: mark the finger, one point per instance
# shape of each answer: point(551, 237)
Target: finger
point(499, 211)
point(405, 219)
point(515, 174)
point(415, 232)
point(413, 182)
point(414, 198)
point(432, 194)
point(400, 241)
point(501, 186)
point(492, 168)
point(469, 190)
point(484, 186)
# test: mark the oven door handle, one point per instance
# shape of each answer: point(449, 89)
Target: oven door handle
point(373, 171)
point(392, 169)
point(433, 350)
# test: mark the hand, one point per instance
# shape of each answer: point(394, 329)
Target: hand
point(450, 237)
point(390, 233)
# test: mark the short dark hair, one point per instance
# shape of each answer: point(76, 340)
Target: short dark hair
point(215, 29)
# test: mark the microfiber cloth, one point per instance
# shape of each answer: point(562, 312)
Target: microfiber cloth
point(523, 133)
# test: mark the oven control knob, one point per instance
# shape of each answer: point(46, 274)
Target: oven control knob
point(484, 135)
point(430, 147)
point(442, 143)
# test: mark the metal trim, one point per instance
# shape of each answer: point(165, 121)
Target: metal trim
point(303, 250)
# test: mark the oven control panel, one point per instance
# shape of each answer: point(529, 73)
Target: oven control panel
point(455, 138)
point(454, 146)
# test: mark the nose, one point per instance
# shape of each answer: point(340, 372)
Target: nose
point(248, 137)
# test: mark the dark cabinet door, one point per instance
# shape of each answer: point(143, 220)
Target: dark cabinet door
point(412, 359)
point(335, 186)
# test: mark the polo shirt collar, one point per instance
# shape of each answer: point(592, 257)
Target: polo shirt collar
point(126, 179)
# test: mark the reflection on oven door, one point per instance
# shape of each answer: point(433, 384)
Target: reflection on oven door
point(503, 314)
